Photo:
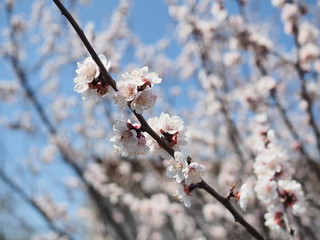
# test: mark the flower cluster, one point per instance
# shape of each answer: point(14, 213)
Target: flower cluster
point(171, 130)
point(135, 90)
point(275, 186)
point(185, 174)
point(88, 81)
point(181, 170)
point(128, 139)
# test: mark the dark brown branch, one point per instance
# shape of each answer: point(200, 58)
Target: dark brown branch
point(237, 217)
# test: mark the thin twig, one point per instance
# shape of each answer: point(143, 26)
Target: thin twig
point(237, 216)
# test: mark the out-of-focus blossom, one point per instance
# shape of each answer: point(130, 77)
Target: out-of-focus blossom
point(292, 196)
point(272, 162)
point(244, 195)
point(219, 12)
point(289, 16)
point(275, 218)
point(278, 3)
point(274, 186)
point(255, 95)
point(309, 52)
point(266, 190)
point(232, 58)
point(307, 33)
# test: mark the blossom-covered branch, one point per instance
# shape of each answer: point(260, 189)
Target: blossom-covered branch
point(129, 138)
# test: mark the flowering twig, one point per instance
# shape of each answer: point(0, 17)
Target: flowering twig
point(145, 126)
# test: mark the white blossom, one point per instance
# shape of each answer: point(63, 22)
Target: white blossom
point(141, 76)
point(245, 195)
point(143, 101)
point(309, 52)
point(171, 130)
point(275, 218)
point(183, 194)
point(290, 13)
point(129, 139)
point(87, 81)
point(278, 3)
point(135, 89)
point(231, 58)
point(266, 190)
point(89, 70)
point(292, 195)
point(127, 89)
point(194, 173)
point(307, 33)
point(177, 167)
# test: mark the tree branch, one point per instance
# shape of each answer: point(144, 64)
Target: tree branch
point(150, 131)
point(237, 216)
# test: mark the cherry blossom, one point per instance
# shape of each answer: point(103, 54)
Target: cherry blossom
point(194, 173)
point(308, 33)
point(142, 77)
point(135, 89)
point(292, 196)
point(266, 190)
point(177, 167)
point(128, 139)
point(244, 195)
point(171, 129)
point(88, 83)
point(275, 218)
point(143, 101)
point(183, 194)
